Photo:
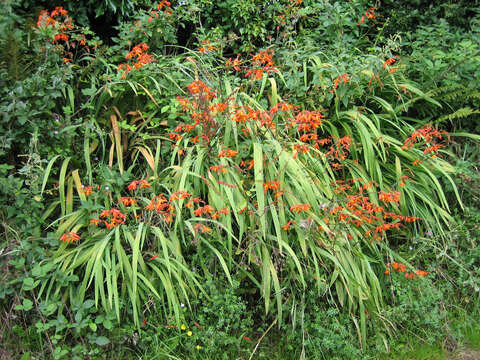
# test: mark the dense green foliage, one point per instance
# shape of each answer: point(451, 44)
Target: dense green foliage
point(238, 179)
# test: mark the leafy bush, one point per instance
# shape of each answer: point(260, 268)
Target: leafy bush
point(406, 16)
point(417, 308)
point(322, 333)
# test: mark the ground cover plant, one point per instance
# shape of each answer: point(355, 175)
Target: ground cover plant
point(301, 182)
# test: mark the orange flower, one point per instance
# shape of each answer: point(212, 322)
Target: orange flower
point(308, 120)
point(105, 214)
point(433, 149)
point(70, 237)
point(179, 195)
point(197, 87)
point(421, 273)
point(218, 169)
point(58, 37)
point(95, 222)
point(278, 194)
point(340, 149)
point(428, 134)
point(242, 210)
point(59, 11)
point(300, 149)
point(115, 216)
point(223, 211)
point(87, 190)
point(344, 78)
point(247, 163)
point(128, 201)
point(202, 228)
point(133, 185)
point(142, 184)
point(300, 207)
point(308, 137)
point(227, 153)
point(137, 51)
point(272, 185)
point(162, 4)
point(262, 62)
point(286, 227)
point(207, 48)
point(393, 196)
point(235, 63)
point(390, 61)
point(207, 209)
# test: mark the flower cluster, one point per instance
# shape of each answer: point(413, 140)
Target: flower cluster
point(369, 15)
point(390, 61)
point(340, 149)
point(262, 62)
point(200, 228)
point(203, 114)
point(127, 201)
point(206, 47)
point(138, 57)
point(70, 237)
point(204, 210)
point(162, 206)
point(227, 153)
point(87, 190)
point(343, 78)
point(288, 225)
point(219, 169)
point(430, 136)
point(401, 268)
point(306, 121)
point(109, 218)
point(198, 87)
point(271, 185)
point(54, 19)
point(298, 208)
point(234, 64)
point(247, 164)
point(140, 184)
point(59, 24)
point(357, 209)
point(162, 7)
point(393, 196)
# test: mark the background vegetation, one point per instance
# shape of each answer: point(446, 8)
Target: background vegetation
point(239, 179)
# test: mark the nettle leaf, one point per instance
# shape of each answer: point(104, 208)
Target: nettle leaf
point(26, 305)
point(102, 341)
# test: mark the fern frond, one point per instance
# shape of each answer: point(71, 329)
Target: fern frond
point(461, 113)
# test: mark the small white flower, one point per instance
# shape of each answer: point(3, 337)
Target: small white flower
point(55, 132)
point(107, 188)
point(411, 248)
point(182, 305)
